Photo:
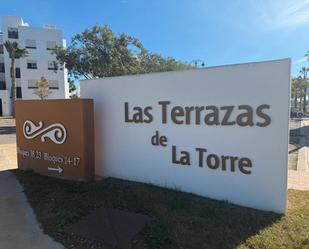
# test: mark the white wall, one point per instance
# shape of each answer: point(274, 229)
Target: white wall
point(40, 54)
point(13, 22)
point(6, 102)
point(124, 150)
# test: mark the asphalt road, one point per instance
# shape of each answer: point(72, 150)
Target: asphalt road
point(7, 131)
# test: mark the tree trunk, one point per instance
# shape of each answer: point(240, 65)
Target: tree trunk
point(13, 89)
point(305, 99)
point(295, 101)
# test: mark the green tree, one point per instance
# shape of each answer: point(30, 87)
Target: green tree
point(304, 72)
point(294, 92)
point(42, 90)
point(72, 89)
point(15, 53)
point(297, 90)
point(72, 86)
point(98, 52)
point(151, 62)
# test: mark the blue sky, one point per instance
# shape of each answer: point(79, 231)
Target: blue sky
point(217, 32)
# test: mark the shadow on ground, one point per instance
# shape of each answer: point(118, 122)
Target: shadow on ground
point(7, 130)
point(295, 136)
point(179, 220)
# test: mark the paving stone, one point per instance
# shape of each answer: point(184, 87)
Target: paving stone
point(18, 224)
point(8, 156)
point(298, 180)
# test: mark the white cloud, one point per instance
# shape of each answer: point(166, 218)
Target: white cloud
point(279, 14)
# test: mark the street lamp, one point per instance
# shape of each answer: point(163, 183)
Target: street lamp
point(197, 63)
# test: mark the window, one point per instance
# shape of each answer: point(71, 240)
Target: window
point(2, 85)
point(32, 84)
point(31, 64)
point(18, 92)
point(52, 65)
point(13, 33)
point(17, 72)
point(30, 43)
point(1, 49)
point(50, 45)
point(53, 84)
point(2, 68)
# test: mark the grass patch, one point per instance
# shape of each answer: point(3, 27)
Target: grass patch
point(179, 221)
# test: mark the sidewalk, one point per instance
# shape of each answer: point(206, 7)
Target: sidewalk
point(19, 227)
point(299, 179)
point(8, 156)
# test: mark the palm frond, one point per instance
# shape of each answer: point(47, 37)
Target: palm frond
point(14, 51)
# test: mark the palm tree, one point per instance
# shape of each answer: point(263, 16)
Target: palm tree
point(295, 90)
point(15, 53)
point(304, 72)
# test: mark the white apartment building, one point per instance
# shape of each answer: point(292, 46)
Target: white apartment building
point(39, 62)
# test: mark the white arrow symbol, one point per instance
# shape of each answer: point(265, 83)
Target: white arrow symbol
point(60, 170)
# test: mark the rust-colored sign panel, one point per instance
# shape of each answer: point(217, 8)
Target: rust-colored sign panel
point(56, 137)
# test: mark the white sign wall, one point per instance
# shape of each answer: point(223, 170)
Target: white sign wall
point(219, 132)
